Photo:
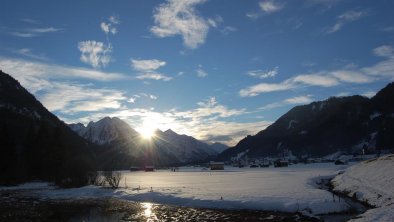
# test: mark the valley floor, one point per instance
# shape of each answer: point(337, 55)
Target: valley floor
point(290, 190)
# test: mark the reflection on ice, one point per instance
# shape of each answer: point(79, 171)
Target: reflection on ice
point(148, 212)
point(147, 209)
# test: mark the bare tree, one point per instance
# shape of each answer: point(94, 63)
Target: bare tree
point(96, 178)
point(112, 178)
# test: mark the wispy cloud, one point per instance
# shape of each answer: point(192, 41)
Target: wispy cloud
point(228, 29)
point(31, 73)
point(45, 30)
point(385, 68)
point(263, 74)
point(33, 32)
point(23, 34)
point(153, 76)
point(147, 64)
point(215, 22)
point(72, 98)
point(381, 70)
point(109, 26)
point(30, 21)
point(319, 79)
point(266, 7)
point(345, 18)
point(253, 15)
point(179, 17)
point(96, 54)
point(201, 72)
point(352, 76)
point(265, 88)
point(148, 69)
point(27, 52)
point(270, 6)
point(384, 51)
point(290, 101)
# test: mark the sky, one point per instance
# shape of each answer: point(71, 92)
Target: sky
point(217, 70)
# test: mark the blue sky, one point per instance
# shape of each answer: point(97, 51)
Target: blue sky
point(213, 69)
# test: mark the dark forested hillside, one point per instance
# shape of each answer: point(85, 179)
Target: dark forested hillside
point(35, 144)
point(343, 123)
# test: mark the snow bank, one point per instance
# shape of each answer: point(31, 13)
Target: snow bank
point(288, 189)
point(371, 181)
point(381, 214)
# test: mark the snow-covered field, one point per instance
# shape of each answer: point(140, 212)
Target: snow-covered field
point(288, 189)
point(371, 181)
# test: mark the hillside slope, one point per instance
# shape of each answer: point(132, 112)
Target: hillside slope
point(324, 127)
point(35, 144)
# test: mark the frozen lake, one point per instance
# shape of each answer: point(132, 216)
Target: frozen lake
point(286, 189)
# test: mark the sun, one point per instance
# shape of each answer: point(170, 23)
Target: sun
point(148, 129)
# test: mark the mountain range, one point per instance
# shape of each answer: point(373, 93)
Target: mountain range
point(120, 146)
point(35, 144)
point(347, 124)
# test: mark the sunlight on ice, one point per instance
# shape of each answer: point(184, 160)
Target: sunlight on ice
point(148, 209)
point(150, 216)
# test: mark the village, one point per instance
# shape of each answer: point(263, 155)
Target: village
point(243, 160)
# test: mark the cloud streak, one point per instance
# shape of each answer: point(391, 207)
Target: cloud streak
point(146, 65)
point(29, 72)
point(263, 74)
point(27, 52)
point(153, 76)
point(298, 100)
point(34, 32)
point(381, 70)
point(147, 69)
point(345, 18)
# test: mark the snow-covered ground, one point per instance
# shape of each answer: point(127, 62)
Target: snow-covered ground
point(371, 181)
point(288, 189)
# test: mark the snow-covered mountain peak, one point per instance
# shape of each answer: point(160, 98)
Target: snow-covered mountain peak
point(104, 131)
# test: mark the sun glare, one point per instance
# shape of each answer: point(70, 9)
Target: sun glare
point(148, 129)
